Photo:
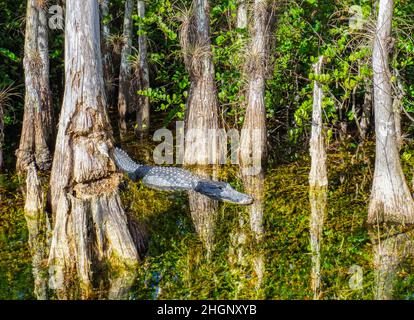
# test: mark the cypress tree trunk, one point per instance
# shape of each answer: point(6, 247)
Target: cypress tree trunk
point(125, 68)
point(35, 142)
point(90, 229)
point(318, 182)
point(318, 177)
point(253, 140)
point(143, 112)
point(37, 120)
point(391, 199)
point(201, 120)
point(201, 117)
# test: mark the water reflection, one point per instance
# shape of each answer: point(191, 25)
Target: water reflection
point(390, 250)
point(318, 202)
point(38, 227)
point(204, 211)
point(246, 240)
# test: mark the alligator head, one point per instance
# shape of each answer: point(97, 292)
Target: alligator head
point(222, 191)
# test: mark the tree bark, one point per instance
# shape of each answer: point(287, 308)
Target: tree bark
point(36, 137)
point(201, 120)
point(253, 140)
point(201, 117)
point(90, 229)
point(125, 68)
point(143, 103)
point(391, 199)
point(318, 177)
point(318, 182)
point(37, 127)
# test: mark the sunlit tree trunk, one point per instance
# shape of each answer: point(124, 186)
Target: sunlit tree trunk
point(33, 154)
point(202, 105)
point(391, 199)
point(201, 120)
point(253, 141)
point(125, 68)
point(318, 181)
point(37, 120)
point(90, 227)
point(318, 177)
point(143, 105)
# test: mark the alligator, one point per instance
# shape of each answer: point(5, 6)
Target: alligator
point(177, 179)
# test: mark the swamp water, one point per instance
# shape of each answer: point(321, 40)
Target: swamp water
point(259, 252)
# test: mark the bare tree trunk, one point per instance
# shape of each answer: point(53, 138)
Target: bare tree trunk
point(90, 229)
point(201, 142)
point(143, 105)
point(36, 138)
point(391, 199)
point(108, 69)
point(125, 68)
point(201, 121)
point(37, 120)
point(241, 15)
point(318, 177)
point(318, 182)
point(253, 141)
